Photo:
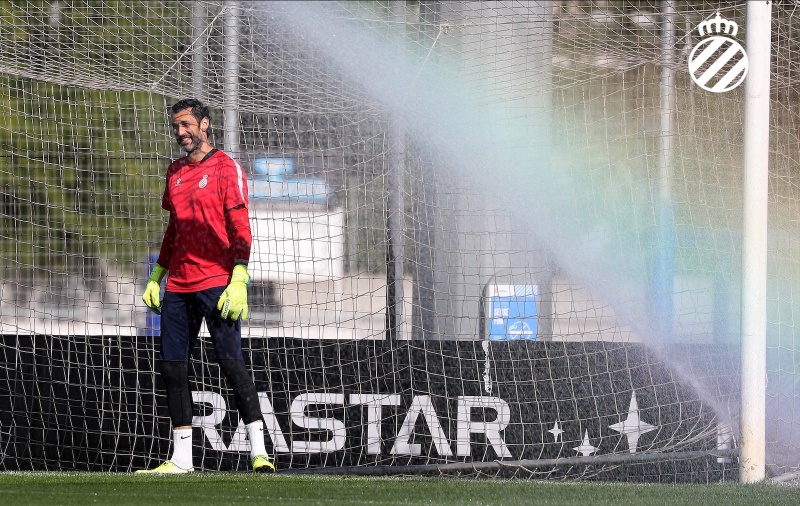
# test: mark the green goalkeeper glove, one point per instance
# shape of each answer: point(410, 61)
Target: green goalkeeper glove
point(233, 301)
point(152, 293)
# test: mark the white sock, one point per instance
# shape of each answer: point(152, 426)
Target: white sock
point(255, 433)
point(182, 448)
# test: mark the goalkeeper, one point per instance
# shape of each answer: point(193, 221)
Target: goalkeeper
point(205, 250)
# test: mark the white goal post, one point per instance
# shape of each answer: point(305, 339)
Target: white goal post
point(754, 242)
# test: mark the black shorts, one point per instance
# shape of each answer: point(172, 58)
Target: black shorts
point(181, 317)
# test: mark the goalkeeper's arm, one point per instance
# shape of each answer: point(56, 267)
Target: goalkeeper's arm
point(233, 301)
point(152, 292)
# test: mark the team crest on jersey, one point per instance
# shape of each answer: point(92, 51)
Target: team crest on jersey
point(204, 181)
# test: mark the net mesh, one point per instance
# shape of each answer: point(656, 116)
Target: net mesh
point(483, 238)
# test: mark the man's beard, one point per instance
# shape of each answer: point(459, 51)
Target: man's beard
point(196, 142)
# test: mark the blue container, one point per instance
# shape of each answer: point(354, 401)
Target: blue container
point(511, 312)
point(274, 179)
point(273, 167)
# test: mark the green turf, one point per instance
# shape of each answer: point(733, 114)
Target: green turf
point(223, 488)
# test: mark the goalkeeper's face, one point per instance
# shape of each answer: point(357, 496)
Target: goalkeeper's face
point(189, 134)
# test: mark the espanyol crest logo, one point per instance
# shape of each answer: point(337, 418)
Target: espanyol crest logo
point(718, 63)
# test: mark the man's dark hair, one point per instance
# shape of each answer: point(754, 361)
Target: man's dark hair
point(199, 110)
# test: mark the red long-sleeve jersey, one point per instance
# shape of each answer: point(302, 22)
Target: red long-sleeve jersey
point(209, 230)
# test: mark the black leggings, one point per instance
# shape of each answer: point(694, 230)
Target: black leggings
point(179, 397)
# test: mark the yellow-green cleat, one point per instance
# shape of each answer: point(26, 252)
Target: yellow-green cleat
point(262, 464)
point(167, 468)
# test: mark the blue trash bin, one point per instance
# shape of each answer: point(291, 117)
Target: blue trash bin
point(511, 312)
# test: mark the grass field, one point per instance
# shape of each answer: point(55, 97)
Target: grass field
point(230, 488)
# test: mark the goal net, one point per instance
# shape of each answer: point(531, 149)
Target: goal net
point(498, 238)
